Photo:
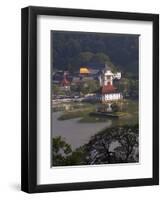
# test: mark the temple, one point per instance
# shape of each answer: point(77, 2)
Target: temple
point(108, 92)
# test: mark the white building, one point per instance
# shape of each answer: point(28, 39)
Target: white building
point(111, 97)
point(108, 76)
point(108, 92)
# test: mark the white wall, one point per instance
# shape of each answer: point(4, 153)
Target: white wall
point(10, 99)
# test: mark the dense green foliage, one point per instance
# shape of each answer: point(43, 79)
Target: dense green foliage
point(129, 87)
point(85, 87)
point(63, 155)
point(126, 138)
point(71, 50)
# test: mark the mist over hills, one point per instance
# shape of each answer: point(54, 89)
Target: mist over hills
point(71, 50)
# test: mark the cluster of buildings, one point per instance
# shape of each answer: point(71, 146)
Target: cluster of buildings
point(107, 92)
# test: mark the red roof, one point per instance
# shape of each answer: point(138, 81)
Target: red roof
point(65, 82)
point(108, 89)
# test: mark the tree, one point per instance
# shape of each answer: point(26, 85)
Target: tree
point(100, 149)
point(134, 88)
point(86, 56)
point(55, 89)
point(60, 150)
point(75, 88)
point(62, 154)
point(89, 86)
point(128, 141)
point(77, 157)
point(129, 87)
point(101, 57)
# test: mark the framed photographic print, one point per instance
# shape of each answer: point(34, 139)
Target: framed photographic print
point(90, 99)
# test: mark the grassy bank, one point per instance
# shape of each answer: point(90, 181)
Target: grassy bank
point(128, 116)
point(77, 113)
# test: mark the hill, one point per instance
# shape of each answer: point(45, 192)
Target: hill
point(71, 50)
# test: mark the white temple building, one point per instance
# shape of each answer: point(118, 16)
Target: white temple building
point(108, 92)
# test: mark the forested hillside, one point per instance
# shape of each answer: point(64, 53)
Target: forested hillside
point(71, 50)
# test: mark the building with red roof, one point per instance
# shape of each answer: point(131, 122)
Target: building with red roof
point(64, 82)
point(107, 89)
point(108, 92)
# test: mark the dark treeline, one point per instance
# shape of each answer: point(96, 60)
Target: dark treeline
point(71, 50)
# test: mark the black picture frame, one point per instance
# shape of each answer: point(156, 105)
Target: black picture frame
point(29, 99)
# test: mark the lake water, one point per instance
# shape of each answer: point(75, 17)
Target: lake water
point(73, 132)
point(77, 133)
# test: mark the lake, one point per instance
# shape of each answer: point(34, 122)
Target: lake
point(78, 133)
point(73, 132)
